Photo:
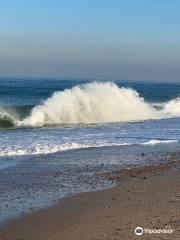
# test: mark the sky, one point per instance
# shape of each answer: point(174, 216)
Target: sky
point(90, 39)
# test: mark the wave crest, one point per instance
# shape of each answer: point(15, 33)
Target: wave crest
point(92, 103)
point(172, 107)
point(89, 104)
point(7, 118)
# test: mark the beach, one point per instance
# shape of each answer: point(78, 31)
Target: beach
point(147, 198)
point(89, 120)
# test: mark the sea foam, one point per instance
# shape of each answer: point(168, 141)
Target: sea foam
point(92, 103)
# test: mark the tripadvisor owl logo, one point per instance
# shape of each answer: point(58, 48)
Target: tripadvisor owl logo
point(139, 231)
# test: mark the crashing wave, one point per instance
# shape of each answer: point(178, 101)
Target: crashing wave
point(90, 104)
point(7, 118)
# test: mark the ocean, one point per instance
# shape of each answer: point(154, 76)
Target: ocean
point(56, 137)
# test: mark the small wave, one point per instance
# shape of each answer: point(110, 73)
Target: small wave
point(5, 122)
point(45, 149)
point(11, 116)
point(155, 141)
point(7, 118)
point(172, 107)
point(39, 149)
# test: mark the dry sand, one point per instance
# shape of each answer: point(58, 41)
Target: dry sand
point(150, 199)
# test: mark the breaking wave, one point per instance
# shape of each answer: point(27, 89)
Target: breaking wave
point(98, 103)
point(12, 116)
point(90, 104)
point(7, 117)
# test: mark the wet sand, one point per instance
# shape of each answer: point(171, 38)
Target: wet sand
point(146, 197)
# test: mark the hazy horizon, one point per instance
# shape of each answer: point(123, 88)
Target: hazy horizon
point(90, 40)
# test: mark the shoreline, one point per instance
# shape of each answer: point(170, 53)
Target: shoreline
point(147, 197)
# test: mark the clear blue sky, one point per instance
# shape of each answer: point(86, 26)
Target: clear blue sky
point(90, 39)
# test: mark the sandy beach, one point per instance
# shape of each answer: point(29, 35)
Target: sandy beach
point(146, 197)
point(90, 120)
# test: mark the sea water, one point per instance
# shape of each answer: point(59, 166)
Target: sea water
point(57, 136)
